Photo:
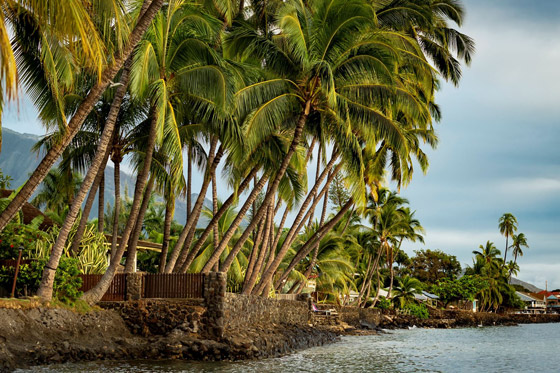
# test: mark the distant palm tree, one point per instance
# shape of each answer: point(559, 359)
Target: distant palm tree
point(57, 190)
point(507, 225)
point(405, 290)
point(519, 241)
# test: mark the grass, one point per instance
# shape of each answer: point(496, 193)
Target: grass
point(78, 306)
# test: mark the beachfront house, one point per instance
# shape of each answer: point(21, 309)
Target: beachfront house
point(533, 302)
point(428, 298)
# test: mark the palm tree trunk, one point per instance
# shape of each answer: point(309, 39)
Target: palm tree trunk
point(169, 210)
point(316, 181)
point(273, 266)
point(189, 181)
point(101, 205)
point(391, 272)
point(235, 224)
point(79, 116)
point(116, 207)
point(505, 252)
point(131, 250)
point(365, 281)
point(307, 247)
point(215, 220)
point(254, 255)
point(280, 227)
point(95, 294)
point(100, 158)
point(316, 249)
point(251, 279)
point(89, 204)
point(298, 133)
point(195, 213)
point(214, 212)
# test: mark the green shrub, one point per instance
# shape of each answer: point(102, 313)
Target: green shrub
point(383, 303)
point(418, 310)
point(66, 283)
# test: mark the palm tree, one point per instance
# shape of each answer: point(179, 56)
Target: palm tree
point(108, 71)
point(312, 79)
point(508, 226)
point(519, 241)
point(57, 190)
point(405, 290)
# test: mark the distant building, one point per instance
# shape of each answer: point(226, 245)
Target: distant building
point(533, 302)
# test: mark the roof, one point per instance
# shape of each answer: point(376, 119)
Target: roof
point(552, 297)
point(141, 245)
point(526, 297)
point(30, 212)
point(430, 295)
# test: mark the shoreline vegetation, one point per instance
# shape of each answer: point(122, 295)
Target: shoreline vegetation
point(35, 334)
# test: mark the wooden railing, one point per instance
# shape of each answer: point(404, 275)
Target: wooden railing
point(173, 285)
point(116, 291)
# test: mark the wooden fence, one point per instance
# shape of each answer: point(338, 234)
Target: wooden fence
point(173, 285)
point(116, 291)
point(13, 262)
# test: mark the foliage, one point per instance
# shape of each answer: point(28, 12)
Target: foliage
point(66, 283)
point(5, 180)
point(431, 266)
point(148, 261)
point(405, 290)
point(383, 303)
point(17, 235)
point(418, 310)
point(92, 254)
point(465, 288)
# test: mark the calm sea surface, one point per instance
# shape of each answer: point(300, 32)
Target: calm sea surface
point(525, 348)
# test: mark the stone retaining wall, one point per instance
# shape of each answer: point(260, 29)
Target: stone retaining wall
point(148, 317)
point(354, 315)
point(241, 311)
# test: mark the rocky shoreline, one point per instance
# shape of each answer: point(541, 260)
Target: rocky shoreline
point(43, 335)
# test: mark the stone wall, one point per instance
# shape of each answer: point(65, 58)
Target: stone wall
point(354, 315)
point(241, 311)
point(148, 317)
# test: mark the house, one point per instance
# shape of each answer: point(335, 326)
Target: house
point(534, 303)
point(428, 298)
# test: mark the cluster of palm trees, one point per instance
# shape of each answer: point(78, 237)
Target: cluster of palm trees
point(258, 89)
point(494, 269)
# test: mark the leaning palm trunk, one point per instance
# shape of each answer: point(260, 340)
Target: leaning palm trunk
point(195, 216)
point(189, 181)
point(116, 207)
point(101, 204)
point(298, 132)
point(308, 246)
point(89, 204)
point(309, 270)
point(79, 116)
point(131, 250)
point(189, 224)
point(300, 219)
point(257, 240)
point(214, 222)
point(169, 210)
point(95, 294)
point(235, 224)
point(100, 159)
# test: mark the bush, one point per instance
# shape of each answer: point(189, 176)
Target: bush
point(418, 310)
point(66, 283)
point(383, 303)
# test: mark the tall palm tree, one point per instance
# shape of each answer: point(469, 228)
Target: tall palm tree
point(519, 241)
point(508, 226)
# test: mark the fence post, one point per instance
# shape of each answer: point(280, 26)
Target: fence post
point(134, 286)
point(214, 298)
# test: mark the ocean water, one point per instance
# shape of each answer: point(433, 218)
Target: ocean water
point(524, 348)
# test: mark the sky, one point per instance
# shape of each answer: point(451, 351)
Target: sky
point(499, 140)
